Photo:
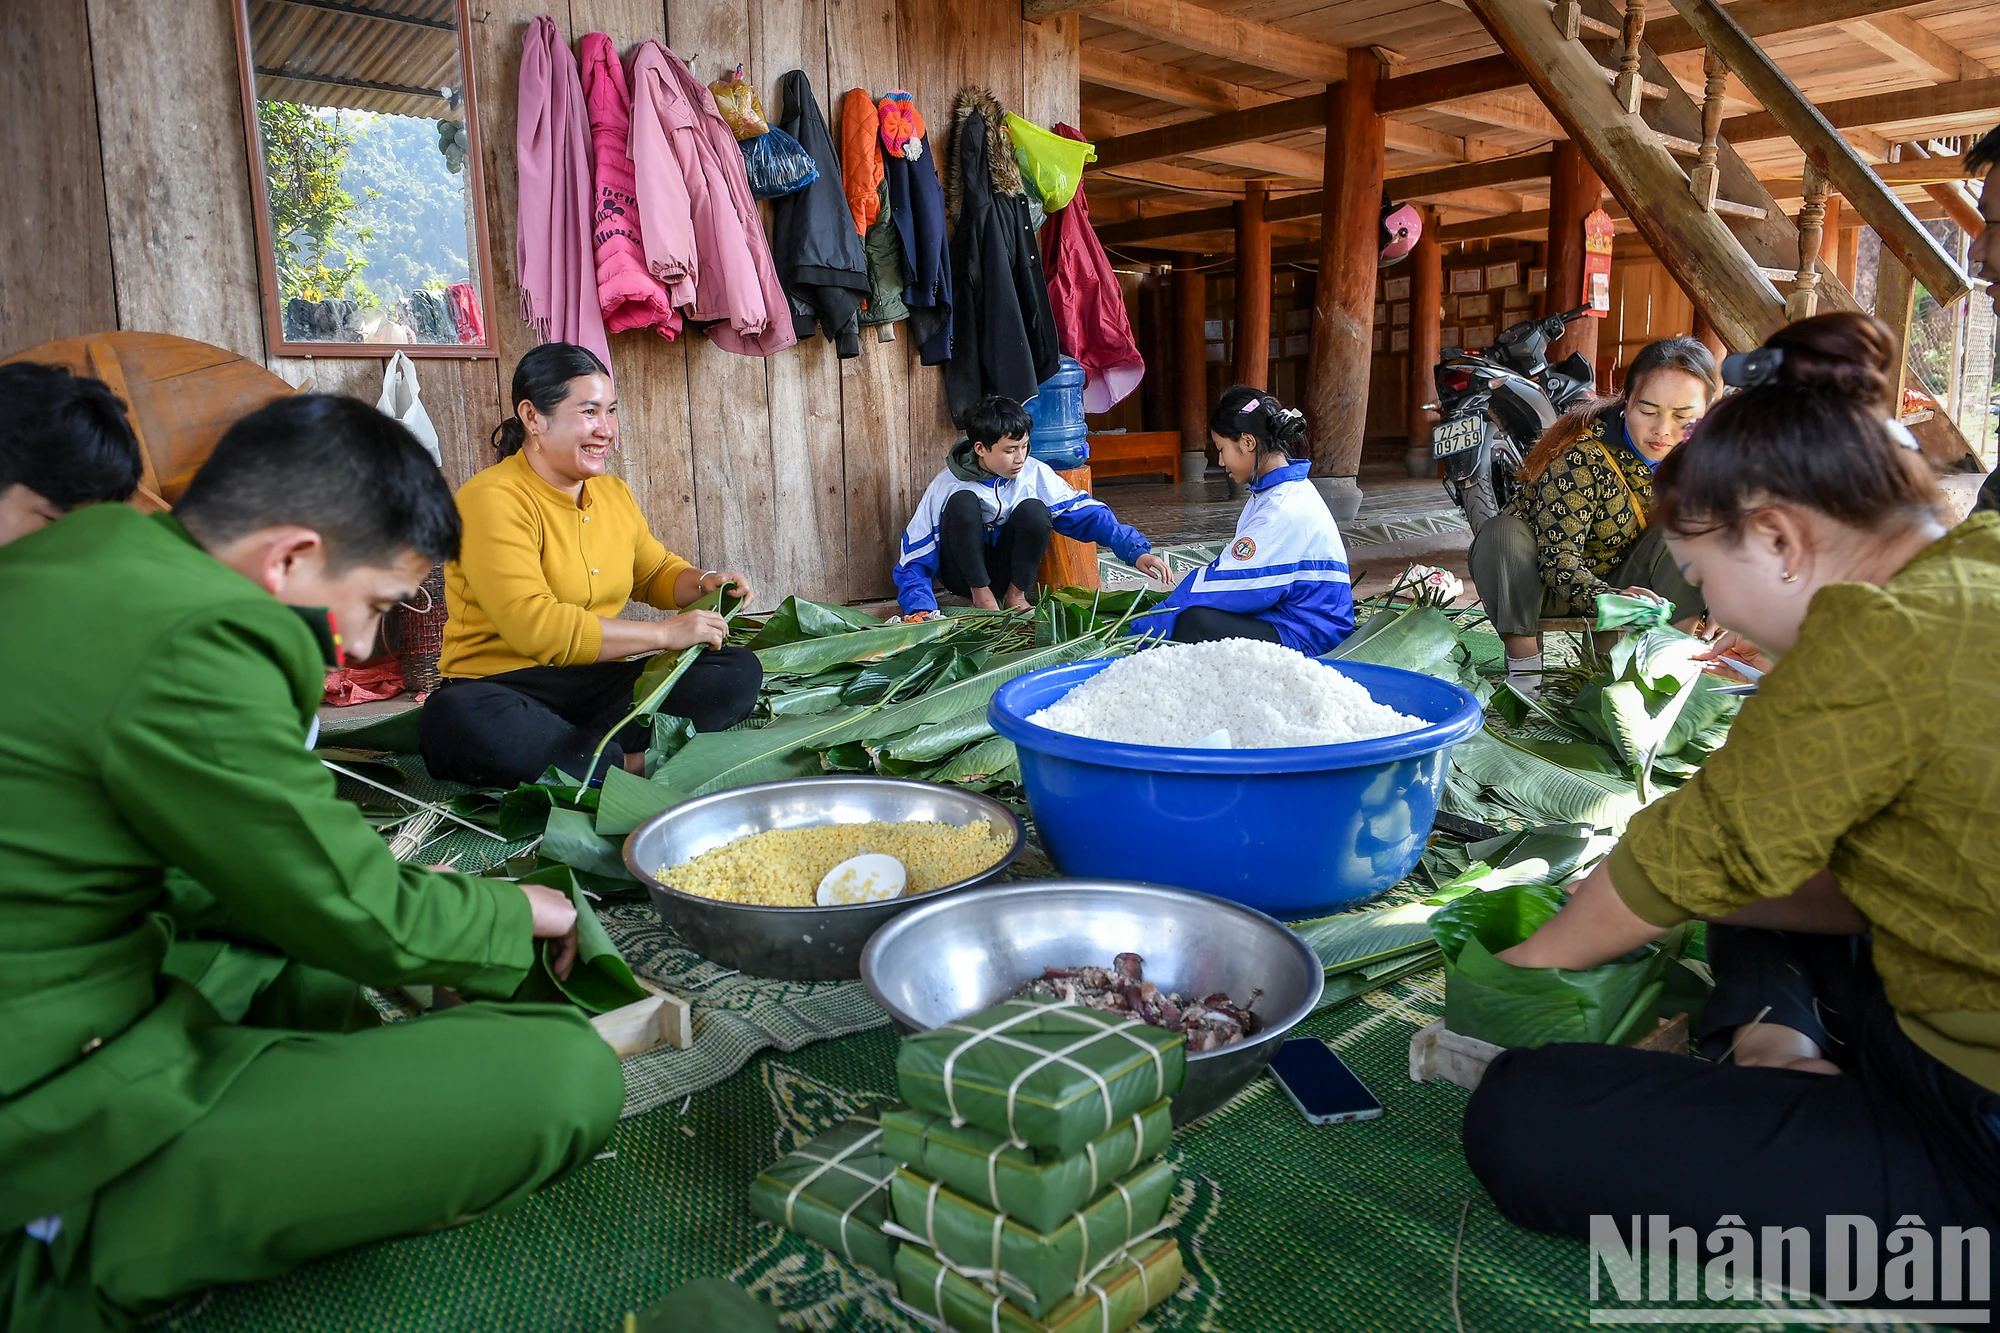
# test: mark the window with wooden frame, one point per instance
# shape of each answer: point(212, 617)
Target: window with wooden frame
point(365, 166)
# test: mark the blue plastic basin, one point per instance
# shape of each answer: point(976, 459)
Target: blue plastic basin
point(1292, 832)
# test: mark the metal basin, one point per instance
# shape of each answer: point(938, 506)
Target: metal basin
point(951, 958)
point(797, 943)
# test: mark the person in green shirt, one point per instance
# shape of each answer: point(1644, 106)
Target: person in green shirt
point(1845, 844)
point(176, 1112)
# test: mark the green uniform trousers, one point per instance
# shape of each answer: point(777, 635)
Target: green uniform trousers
point(328, 1140)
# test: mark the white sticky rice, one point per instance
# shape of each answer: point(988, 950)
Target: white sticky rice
point(1264, 695)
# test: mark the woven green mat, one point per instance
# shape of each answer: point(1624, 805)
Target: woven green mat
point(1285, 1226)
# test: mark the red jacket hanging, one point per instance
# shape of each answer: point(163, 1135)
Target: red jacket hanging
point(1089, 306)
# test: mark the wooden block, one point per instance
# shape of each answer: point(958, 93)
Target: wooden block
point(1136, 453)
point(658, 1020)
point(1070, 563)
point(1438, 1052)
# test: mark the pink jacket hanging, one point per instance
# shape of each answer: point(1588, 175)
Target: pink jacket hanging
point(629, 295)
point(711, 251)
point(1089, 306)
point(552, 205)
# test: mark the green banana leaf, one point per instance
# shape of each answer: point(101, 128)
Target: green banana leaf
point(600, 980)
point(1703, 724)
point(661, 665)
point(941, 738)
point(807, 699)
point(854, 757)
point(910, 673)
point(809, 657)
point(572, 839)
point(628, 801)
point(983, 760)
point(396, 733)
point(1554, 793)
point(1416, 638)
point(1639, 720)
point(1350, 940)
point(717, 760)
point(797, 619)
point(1344, 986)
point(964, 695)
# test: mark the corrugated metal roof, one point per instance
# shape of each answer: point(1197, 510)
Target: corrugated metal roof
point(391, 56)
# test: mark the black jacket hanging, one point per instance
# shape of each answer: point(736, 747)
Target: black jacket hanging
point(820, 260)
point(1003, 333)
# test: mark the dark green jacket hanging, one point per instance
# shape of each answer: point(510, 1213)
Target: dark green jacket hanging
point(156, 718)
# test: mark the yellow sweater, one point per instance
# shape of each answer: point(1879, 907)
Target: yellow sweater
point(536, 569)
point(1872, 748)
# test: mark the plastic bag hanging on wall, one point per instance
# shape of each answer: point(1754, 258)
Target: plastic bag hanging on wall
point(777, 165)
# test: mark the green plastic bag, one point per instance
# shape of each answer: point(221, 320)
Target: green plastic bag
point(1052, 162)
point(1493, 1001)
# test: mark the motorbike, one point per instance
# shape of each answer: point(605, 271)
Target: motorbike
point(1496, 404)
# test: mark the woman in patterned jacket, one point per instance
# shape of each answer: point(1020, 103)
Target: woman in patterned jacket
point(1578, 525)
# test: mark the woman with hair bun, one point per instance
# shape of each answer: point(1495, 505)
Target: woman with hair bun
point(1577, 526)
point(1845, 845)
point(1283, 577)
point(537, 665)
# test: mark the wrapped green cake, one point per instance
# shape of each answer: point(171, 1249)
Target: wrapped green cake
point(1115, 1300)
point(1036, 1270)
point(1052, 1076)
point(835, 1190)
point(1034, 1187)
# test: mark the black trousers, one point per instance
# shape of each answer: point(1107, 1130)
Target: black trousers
point(508, 729)
point(1205, 624)
point(1564, 1132)
point(965, 559)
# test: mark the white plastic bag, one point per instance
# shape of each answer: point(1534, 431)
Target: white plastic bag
point(401, 399)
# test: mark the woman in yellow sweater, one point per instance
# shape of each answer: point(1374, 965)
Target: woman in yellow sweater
point(537, 666)
point(1847, 843)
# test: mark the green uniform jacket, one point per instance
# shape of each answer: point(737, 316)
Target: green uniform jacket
point(156, 712)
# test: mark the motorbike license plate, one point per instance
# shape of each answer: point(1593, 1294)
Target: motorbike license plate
point(1453, 437)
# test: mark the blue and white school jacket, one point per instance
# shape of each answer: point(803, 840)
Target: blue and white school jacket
point(1073, 513)
point(1286, 565)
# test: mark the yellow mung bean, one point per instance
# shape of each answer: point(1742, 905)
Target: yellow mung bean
point(783, 867)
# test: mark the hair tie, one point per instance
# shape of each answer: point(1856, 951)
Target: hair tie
point(1291, 414)
point(1753, 369)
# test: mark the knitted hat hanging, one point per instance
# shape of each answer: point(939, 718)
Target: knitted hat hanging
point(902, 126)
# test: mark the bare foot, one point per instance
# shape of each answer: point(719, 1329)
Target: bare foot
point(1775, 1046)
point(983, 599)
point(1016, 600)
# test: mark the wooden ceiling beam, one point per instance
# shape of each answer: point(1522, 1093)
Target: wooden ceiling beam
point(1766, 18)
point(1183, 179)
point(1916, 48)
point(1272, 159)
point(1469, 78)
point(1196, 28)
point(1505, 111)
point(1167, 83)
point(1951, 99)
point(1180, 140)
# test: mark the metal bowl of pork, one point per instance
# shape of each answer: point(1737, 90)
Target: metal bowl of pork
point(965, 953)
point(798, 943)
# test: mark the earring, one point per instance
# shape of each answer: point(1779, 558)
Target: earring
point(1788, 577)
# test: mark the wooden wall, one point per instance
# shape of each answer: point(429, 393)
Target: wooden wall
point(130, 208)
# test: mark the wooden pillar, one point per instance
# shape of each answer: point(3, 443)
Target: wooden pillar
point(1157, 404)
point(1190, 369)
point(1895, 304)
point(1426, 270)
point(1705, 177)
point(1803, 302)
point(1847, 257)
point(1574, 191)
point(1705, 332)
point(1344, 300)
point(1253, 288)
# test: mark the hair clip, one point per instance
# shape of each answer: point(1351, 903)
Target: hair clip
point(1901, 434)
point(1251, 406)
point(1753, 369)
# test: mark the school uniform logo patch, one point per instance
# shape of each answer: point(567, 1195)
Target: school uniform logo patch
point(1243, 549)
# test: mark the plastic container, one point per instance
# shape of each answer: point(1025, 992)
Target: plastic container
point(1293, 832)
point(1058, 435)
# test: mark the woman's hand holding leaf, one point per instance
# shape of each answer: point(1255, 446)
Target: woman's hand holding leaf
point(692, 627)
point(554, 919)
point(1728, 648)
point(717, 579)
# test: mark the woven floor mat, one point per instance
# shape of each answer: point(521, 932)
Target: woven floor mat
point(1285, 1227)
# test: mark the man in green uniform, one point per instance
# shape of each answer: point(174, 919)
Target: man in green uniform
point(176, 1116)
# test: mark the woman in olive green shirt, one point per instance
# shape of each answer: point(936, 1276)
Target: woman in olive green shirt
point(1847, 838)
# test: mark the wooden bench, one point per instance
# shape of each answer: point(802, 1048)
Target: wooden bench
point(1136, 453)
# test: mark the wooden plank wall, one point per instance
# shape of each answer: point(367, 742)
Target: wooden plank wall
point(801, 469)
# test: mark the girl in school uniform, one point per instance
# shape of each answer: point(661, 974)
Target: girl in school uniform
point(1283, 577)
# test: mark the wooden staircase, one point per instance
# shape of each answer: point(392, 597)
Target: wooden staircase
point(1716, 228)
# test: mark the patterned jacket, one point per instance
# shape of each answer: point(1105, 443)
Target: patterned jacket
point(1582, 516)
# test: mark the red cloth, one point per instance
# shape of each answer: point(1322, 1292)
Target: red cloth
point(364, 684)
point(1089, 306)
point(465, 312)
point(630, 296)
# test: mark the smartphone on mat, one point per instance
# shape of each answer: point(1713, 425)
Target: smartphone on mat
point(1324, 1089)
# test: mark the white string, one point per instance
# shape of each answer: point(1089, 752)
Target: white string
point(837, 1162)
